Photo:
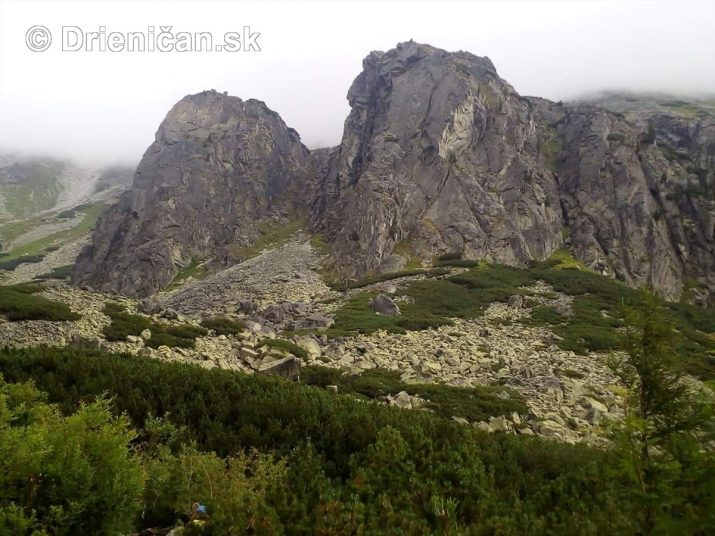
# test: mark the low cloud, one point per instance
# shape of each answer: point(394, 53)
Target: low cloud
point(104, 106)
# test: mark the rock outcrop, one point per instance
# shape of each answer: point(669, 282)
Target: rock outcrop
point(218, 169)
point(439, 155)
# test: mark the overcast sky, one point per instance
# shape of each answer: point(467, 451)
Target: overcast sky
point(106, 106)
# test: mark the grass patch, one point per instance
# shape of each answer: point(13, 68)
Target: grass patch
point(13, 263)
point(456, 263)
point(436, 302)
point(561, 259)
point(288, 346)
point(124, 324)
point(475, 404)
point(36, 247)
point(194, 269)
point(593, 326)
point(36, 190)
point(371, 280)
point(550, 146)
point(61, 272)
point(597, 316)
point(687, 109)
point(404, 249)
point(270, 235)
point(20, 302)
point(223, 326)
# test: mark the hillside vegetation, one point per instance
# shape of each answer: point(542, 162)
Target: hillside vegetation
point(591, 325)
point(270, 457)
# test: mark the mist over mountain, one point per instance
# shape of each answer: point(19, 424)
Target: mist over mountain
point(55, 103)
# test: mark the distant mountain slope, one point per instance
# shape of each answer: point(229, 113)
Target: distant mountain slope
point(47, 210)
point(32, 185)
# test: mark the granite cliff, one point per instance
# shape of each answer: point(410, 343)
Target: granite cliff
point(439, 155)
point(218, 168)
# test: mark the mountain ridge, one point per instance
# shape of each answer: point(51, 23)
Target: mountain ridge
point(439, 155)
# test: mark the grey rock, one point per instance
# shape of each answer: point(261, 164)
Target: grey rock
point(287, 367)
point(423, 161)
point(150, 306)
point(247, 306)
point(316, 321)
point(563, 309)
point(170, 314)
point(384, 305)
point(401, 400)
point(311, 345)
point(85, 343)
point(218, 169)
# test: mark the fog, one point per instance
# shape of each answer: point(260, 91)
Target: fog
point(105, 107)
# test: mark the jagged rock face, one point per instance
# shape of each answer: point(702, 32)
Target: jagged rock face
point(218, 168)
point(438, 155)
point(439, 152)
point(638, 197)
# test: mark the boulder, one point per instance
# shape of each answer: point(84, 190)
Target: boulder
point(170, 314)
point(564, 309)
point(401, 400)
point(247, 306)
point(86, 343)
point(287, 367)
point(311, 345)
point(316, 321)
point(384, 305)
point(150, 306)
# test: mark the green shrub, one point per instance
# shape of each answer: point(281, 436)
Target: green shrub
point(124, 324)
point(475, 404)
point(436, 302)
point(61, 272)
point(288, 346)
point(11, 264)
point(433, 272)
point(70, 475)
point(19, 302)
point(223, 326)
point(450, 256)
point(325, 463)
point(593, 326)
point(457, 263)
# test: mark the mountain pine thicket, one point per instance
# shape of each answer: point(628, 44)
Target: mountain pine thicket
point(97, 443)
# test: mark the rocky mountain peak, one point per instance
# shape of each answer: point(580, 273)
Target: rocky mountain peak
point(218, 168)
point(438, 155)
